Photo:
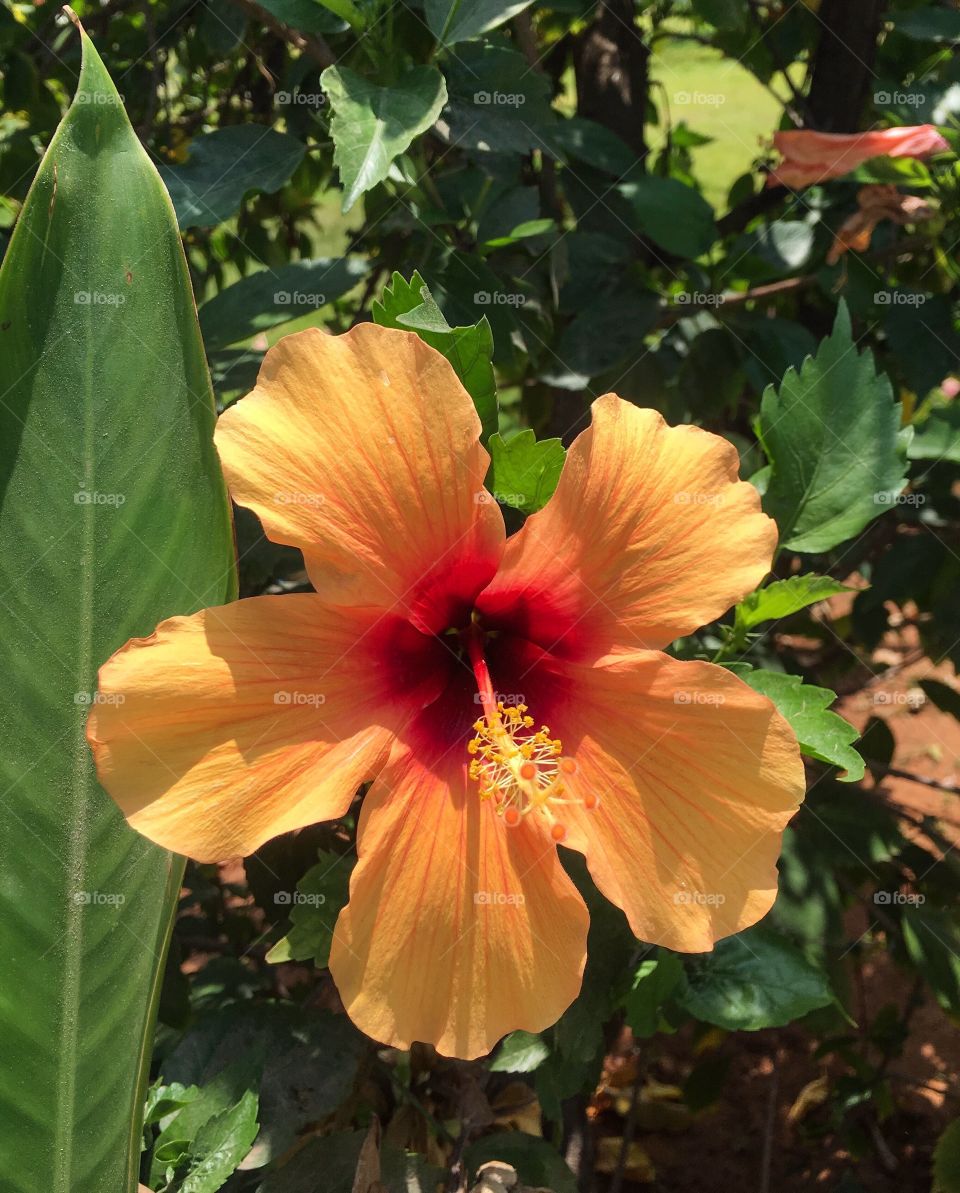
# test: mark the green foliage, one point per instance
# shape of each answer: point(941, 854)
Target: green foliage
point(562, 237)
point(113, 516)
point(321, 893)
point(832, 434)
point(946, 1160)
point(520, 1052)
point(525, 471)
point(657, 979)
point(223, 167)
point(937, 437)
point(275, 296)
point(451, 21)
point(675, 216)
point(372, 125)
point(821, 733)
point(537, 1163)
point(751, 981)
point(410, 307)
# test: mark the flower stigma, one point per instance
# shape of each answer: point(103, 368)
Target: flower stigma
point(520, 768)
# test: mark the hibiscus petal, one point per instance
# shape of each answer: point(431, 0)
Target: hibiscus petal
point(810, 156)
point(649, 535)
point(696, 775)
point(229, 727)
point(458, 929)
point(363, 450)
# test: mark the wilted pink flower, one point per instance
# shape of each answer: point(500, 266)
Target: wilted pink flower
point(810, 156)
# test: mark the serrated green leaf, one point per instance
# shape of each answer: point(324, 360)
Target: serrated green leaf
point(832, 434)
point(372, 125)
point(411, 307)
point(114, 516)
point(272, 297)
point(822, 734)
point(783, 597)
point(220, 1145)
point(520, 1052)
point(224, 166)
point(451, 21)
point(314, 909)
point(751, 981)
point(525, 470)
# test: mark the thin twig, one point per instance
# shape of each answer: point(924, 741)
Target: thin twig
point(770, 1123)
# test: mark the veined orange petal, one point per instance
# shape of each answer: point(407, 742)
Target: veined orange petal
point(363, 450)
point(229, 727)
point(648, 536)
point(458, 929)
point(694, 776)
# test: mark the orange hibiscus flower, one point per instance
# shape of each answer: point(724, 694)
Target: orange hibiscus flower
point(810, 157)
point(431, 643)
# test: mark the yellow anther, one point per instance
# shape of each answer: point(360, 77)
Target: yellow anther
point(520, 768)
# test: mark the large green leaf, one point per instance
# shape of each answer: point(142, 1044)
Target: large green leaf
point(675, 216)
point(498, 104)
point(410, 306)
point(113, 516)
point(755, 980)
point(372, 125)
point(451, 21)
point(273, 296)
point(783, 597)
point(822, 734)
point(832, 434)
point(225, 165)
